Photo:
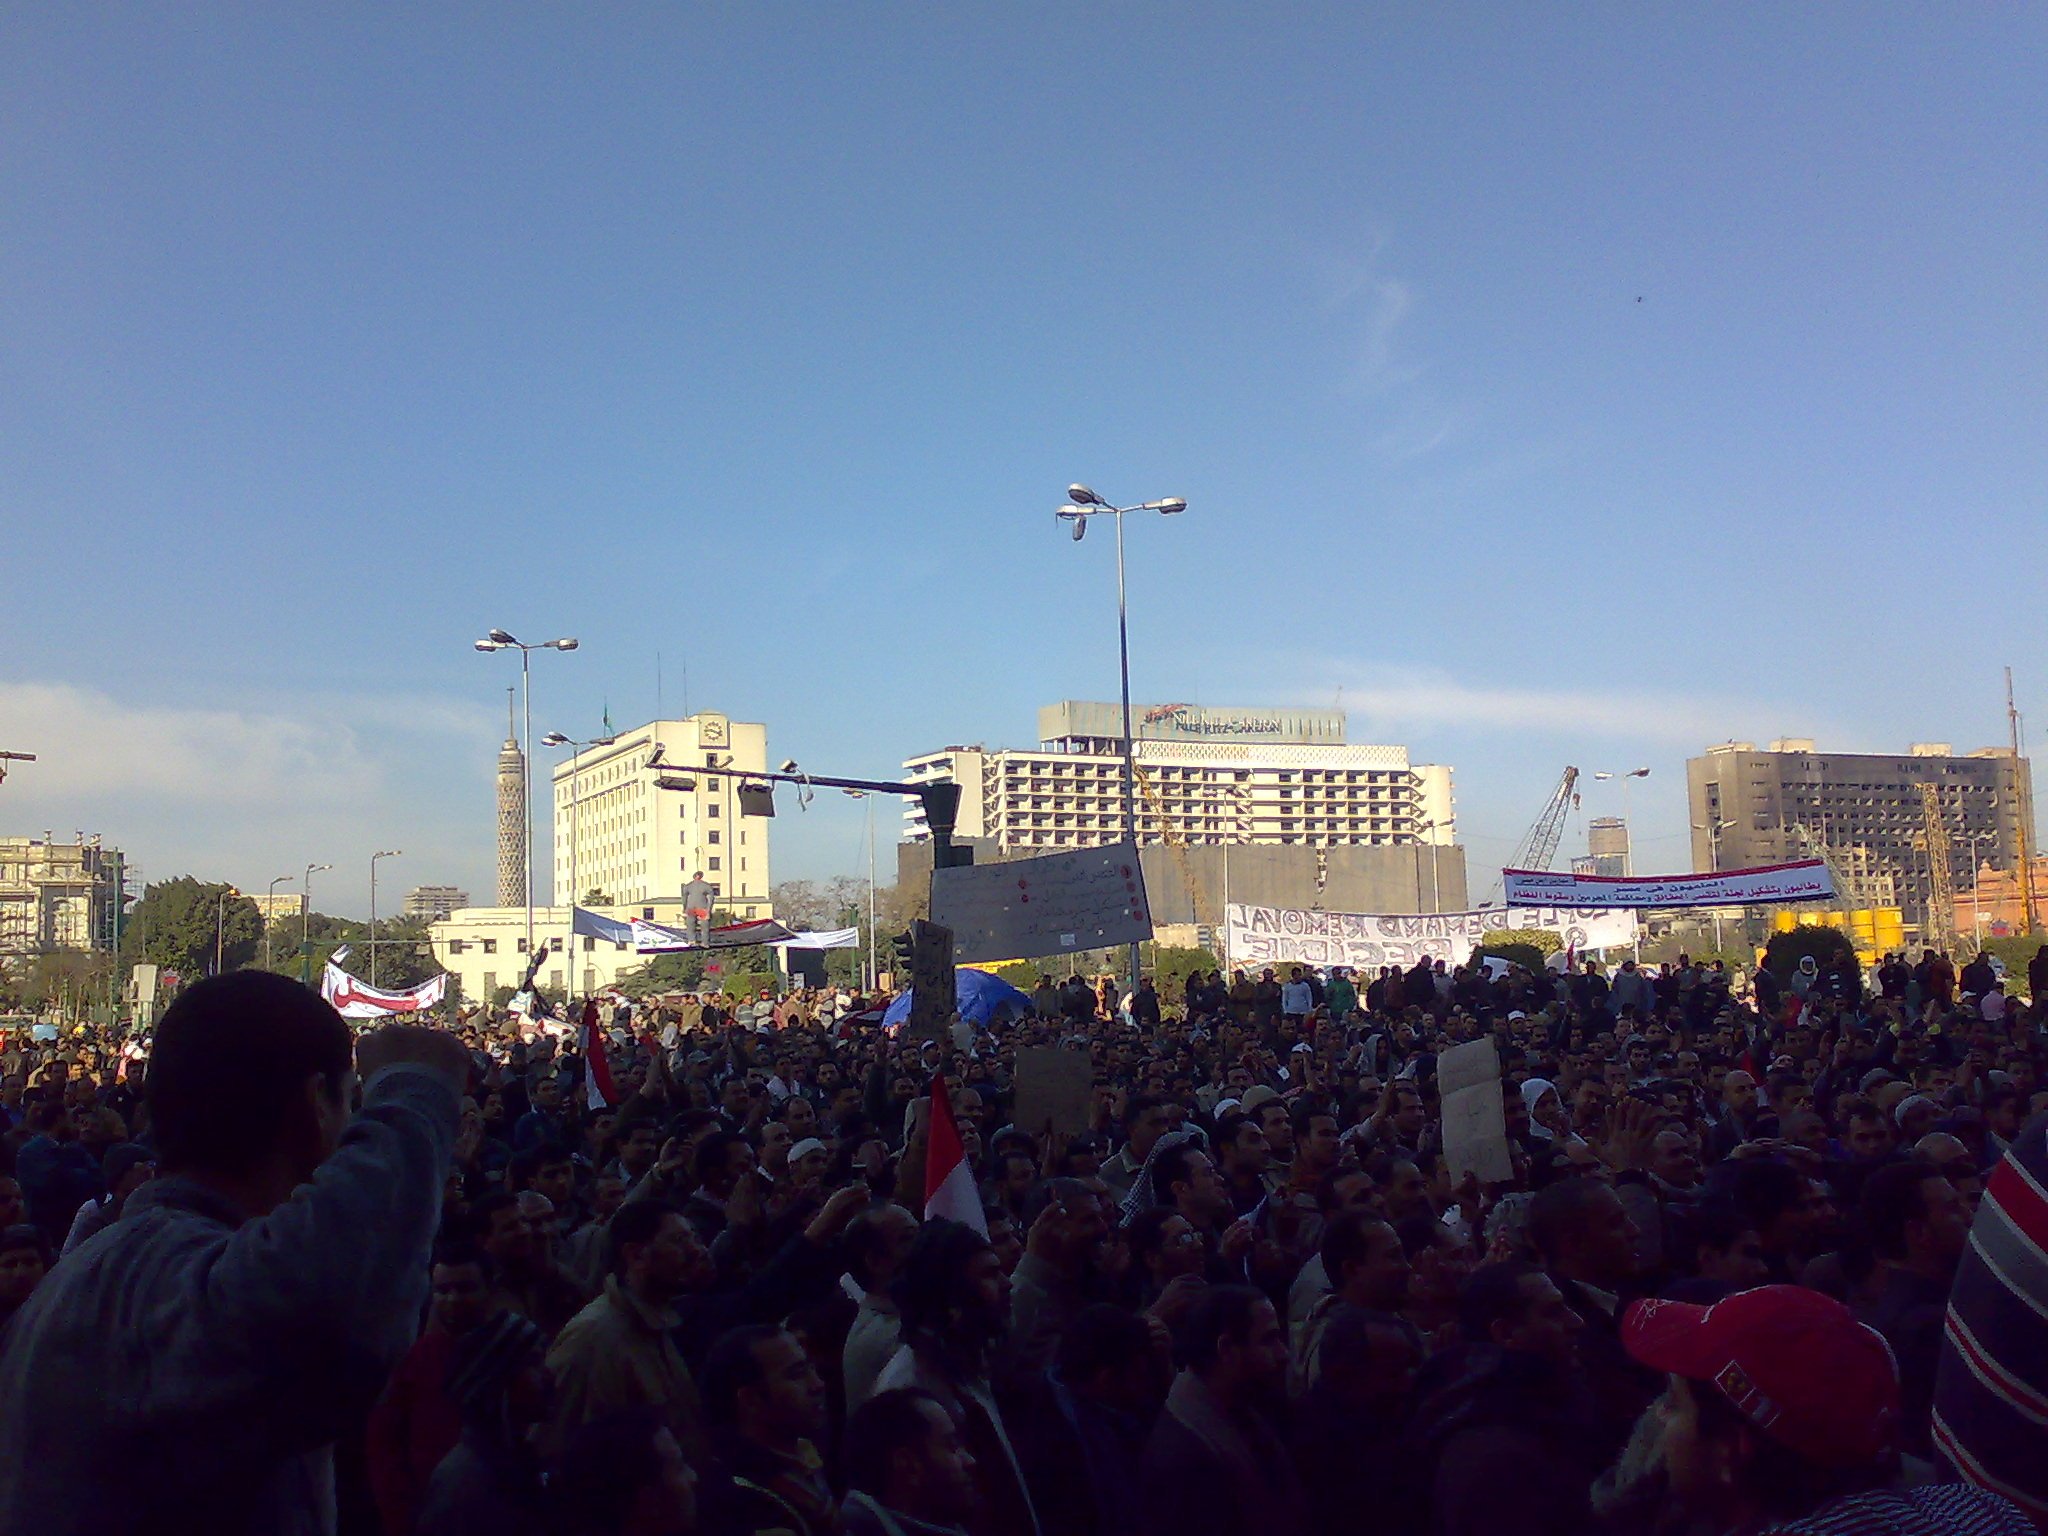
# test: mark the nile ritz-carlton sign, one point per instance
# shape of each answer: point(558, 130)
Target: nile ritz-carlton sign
point(1191, 722)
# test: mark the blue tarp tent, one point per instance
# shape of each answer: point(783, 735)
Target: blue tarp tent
point(980, 996)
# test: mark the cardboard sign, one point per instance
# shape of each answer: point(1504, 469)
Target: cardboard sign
point(1092, 898)
point(1055, 1087)
point(1475, 1122)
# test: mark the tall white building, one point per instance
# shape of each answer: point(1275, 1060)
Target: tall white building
point(1207, 776)
point(619, 835)
point(58, 896)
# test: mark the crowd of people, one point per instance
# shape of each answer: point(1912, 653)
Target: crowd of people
point(1767, 1257)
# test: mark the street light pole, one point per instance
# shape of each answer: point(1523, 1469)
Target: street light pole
point(1628, 848)
point(1082, 504)
point(306, 926)
point(557, 739)
point(499, 640)
point(389, 853)
point(270, 916)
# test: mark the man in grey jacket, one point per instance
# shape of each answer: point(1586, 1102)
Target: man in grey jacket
point(251, 1301)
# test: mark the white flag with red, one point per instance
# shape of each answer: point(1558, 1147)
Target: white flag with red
point(597, 1071)
point(948, 1179)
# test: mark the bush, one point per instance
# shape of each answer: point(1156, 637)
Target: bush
point(739, 984)
point(1828, 946)
point(2018, 953)
point(1170, 966)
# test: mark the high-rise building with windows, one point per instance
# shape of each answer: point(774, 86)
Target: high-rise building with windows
point(58, 896)
point(1866, 812)
point(622, 840)
point(1206, 777)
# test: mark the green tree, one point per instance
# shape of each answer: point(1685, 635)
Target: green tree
point(2017, 951)
point(1170, 966)
point(177, 922)
point(1827, 946)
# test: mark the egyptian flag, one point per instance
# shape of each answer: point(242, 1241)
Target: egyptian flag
point(948, 1181)
point(597, 1072)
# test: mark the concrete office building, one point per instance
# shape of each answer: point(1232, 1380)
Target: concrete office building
point(618, 835)
point(435, 901)
point(1207, 778)
point(1606, 848)
point(58, 896)
point(1864, 811)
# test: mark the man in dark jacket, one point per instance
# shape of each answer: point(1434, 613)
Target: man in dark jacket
point(908, 1471)
point(766, 1401)
point(1216, 1466)
point(1918, 1227)
point(1503, 1419)
point(1587, 1241)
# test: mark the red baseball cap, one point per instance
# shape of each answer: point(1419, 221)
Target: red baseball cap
point(1794, 1362)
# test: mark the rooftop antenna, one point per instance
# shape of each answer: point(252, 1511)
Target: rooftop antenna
point(511, 714)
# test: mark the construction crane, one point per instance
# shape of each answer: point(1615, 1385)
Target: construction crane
point(1539, 846)
point(1941, 896)
point(14, 757)
point(1176, 843)
point(2012, 715)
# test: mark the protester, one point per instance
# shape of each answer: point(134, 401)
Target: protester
point(254, 1298)
point(729, 1243)
point(490, 1484)
point(908, 1470)
point(1216, 1465)
point(1782, 1416)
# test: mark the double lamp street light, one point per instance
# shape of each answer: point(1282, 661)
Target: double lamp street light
point(1082, 504)
point(499, 640)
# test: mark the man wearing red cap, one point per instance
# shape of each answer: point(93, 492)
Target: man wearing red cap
point(1782, 1419)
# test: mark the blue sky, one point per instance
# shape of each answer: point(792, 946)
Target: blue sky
point(1547, 384)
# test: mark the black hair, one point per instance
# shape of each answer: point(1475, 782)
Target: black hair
point(485, 1208)
point(1556, 1211)
point(886, 1423)
point(1306, 1110)
point(1493, 1294)
point(1346, 1240)
point(635, 1222)
point(713, 1152)
point(1218, 1310)
point(1170, 1168)
point(1138, 1104)
point(1718, 1225)
point(1146, 1231)
point(1326, 1186)
point(1892, 1197)
point(931, 1283)
point(1764, 1191)
point(228, 1069)
point(733, 1366)
point(454, 1251)
point(605, 1466)
point(863, 1235)
point(1099, 1338)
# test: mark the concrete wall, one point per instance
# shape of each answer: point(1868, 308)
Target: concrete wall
point(1334, 879)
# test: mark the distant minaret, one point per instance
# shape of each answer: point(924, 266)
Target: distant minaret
point(511, 815)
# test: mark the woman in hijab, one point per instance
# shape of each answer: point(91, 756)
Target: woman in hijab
point(1548, 1121)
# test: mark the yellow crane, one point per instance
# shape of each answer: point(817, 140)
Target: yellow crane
point(1176, 842)
point(1941, 897)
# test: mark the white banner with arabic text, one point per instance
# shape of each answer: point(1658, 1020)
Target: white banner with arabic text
point(1256, 936)
point(1803, 880)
